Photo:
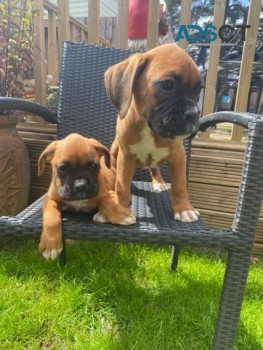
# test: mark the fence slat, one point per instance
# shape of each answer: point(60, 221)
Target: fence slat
point(52, 46)
point(247, 64)
point(185, 19)
point(153, 27)
point(93, 21)
point(39, 54)
point(72, 31)
point(211, 77)
point(123, 18)
point(64, 26)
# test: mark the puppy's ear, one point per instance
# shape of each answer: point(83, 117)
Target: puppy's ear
point(119, 81)
point(102, 151)
point(46, 155)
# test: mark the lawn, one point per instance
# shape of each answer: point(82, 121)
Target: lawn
point(118, 297)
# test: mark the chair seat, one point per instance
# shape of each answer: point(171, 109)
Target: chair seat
point(155, 223)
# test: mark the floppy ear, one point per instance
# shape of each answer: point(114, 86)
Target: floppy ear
point(102, 151)
point(46, 155)
point(119, 81)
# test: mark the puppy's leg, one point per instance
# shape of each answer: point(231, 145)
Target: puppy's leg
point(51, 238)
point(114, 148)
point(158, 182)
point(183, 210)
point(111, 211)
point(125, 173)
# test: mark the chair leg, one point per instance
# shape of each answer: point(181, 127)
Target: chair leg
point(231, 300)
point(175, 257)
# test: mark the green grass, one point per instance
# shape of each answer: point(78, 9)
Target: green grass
point(118, 297)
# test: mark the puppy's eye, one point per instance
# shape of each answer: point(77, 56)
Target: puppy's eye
point(62, 170)
point(94, 165)
point(167, 85)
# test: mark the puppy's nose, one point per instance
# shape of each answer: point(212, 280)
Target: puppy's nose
point(80, 185)
point(191, 114)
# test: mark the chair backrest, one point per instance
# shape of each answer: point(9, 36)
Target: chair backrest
point(83, 104)
point(84, 107)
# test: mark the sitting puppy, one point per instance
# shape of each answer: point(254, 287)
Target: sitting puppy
point(83, 179)
point(156, 95)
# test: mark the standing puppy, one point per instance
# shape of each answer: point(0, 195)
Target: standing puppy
point(83, 180)
point(156, 95)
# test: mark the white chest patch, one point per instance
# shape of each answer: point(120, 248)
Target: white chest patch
point(81, 206)
point(146, 151)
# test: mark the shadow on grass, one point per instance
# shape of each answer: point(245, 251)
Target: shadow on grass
point(168, 311)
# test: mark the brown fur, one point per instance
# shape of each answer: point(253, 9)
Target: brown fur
point(77, 150)
point(129, 86)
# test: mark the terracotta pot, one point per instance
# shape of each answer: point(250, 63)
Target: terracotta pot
point(14, 168)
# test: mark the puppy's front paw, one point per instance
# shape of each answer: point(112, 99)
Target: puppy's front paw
point(129, 220)
point(98, 217)
point(50, 248)
point(47, 254)
point(186, 215)
point(160, 187)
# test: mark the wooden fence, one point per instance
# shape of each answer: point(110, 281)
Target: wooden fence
point(61, 26)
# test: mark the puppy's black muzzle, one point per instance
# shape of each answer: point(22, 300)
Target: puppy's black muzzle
point(79, 189)
point(182, 119)
point(191, 115)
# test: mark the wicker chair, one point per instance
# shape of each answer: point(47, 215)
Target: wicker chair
point(85, 108)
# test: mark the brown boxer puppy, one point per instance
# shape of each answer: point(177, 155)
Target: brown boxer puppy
point(156, 95)
point(83, 180)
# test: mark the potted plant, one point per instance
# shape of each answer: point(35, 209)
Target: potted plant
point(16, 45)
point(16, 55)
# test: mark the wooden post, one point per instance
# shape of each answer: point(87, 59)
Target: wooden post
point(211, 77)
point(52, 45)
point(39, 54)
point(247, 64)
point(185, 18)
point(123, 18)
point(63, 27)
point(93, 21)
point(72, 31)
point(153, 24)
point(86, 36)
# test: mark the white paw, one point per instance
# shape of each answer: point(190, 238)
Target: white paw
point(129, 220)
point(187, 215)
point(51, 254)
point(161, 187)
point(98, 217)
